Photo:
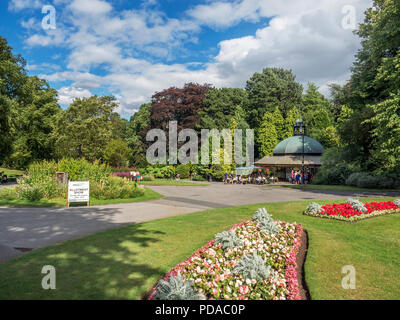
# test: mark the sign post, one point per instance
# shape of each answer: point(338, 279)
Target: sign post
point(78, 191)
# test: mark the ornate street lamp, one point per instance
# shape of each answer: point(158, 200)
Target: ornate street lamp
point(299, 129)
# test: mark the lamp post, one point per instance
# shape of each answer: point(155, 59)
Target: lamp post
point(299, 129)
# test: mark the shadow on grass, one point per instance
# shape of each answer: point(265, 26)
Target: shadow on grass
point(105, 265)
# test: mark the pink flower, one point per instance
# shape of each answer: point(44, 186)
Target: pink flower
point(244, 289)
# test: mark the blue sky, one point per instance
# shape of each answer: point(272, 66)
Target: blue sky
point(132, 49)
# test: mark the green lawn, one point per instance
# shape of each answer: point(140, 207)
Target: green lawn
point(164, 182)
point(330, 188)
point(6, 200)
point(124, 263)
point(12, 173)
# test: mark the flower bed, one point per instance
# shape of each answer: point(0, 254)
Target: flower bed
point(345, 211)
point(122, 174)
point(211, 269)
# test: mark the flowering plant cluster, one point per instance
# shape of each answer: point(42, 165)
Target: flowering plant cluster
point(122, 174)
point(348, 212)
point(217, 273)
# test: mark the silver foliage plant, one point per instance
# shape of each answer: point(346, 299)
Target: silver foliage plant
point(176, 288)
point(314, 208)
point(252, 266)
point(397, 202)
point(357, 205)
point(228, 239)
point(267, 223)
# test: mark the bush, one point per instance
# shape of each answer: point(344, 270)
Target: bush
point(177, 288)
point(252, 266)
point(199, 178)
point(352, 180)
point(183, 170)
point(367, 181)
point(8, 193)
point(314, 208)
point(29, 192)
point(357, 205)
point(149, 177)
point(123, 169)
point(228, 239)
point(41, 183)
point(115, 188)
point(83, 170)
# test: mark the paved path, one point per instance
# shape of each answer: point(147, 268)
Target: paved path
point(31, 228)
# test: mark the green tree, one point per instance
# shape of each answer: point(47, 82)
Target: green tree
point(274, 87)
point(267, 137)
point(12, 76)
point(86, 126)
point(279, 124)
point(221, 107)
point(387, 132)
point(380, 42)
point(33, 120)
point(290, 120)
point(316, 112)
point(136, 133)
point(314, 100)
point(117, 153)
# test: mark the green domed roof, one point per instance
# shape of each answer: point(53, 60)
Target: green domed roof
point(294, 145)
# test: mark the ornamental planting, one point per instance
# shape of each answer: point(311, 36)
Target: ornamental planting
point(353, 210)
point(256, 265)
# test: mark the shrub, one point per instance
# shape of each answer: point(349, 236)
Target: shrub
point(149, 177)
point(228, 239)
point(367, 181)
point(115, 188)
point(357, 205)
point(199, 178)
point(252, 266)
point(352, 180)
point(314, 208)
point(176, 288)
point(8, 193)
point(30, 192)
point(183, 170)
point(267, 224)
point(122, 169)
point(117, 153)
point(83, 170)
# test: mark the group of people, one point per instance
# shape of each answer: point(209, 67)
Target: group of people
point(135, 176)
point(296, 177)
point(255, 178)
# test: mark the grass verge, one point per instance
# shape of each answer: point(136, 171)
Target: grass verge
point(7, 200)
point(124, 263)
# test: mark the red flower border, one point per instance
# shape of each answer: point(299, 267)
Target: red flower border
point(344, 211)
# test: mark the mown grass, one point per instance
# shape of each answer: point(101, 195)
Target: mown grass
point(9, 198)
point(164, 182)
point(11, 173)
point(330, 188)
point(124, 263)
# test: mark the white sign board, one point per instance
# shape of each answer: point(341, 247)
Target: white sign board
point(78, 191)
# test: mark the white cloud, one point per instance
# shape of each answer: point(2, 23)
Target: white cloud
point(66, 95)
point(90, 7)
point(305, 36)
point(18, 5)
